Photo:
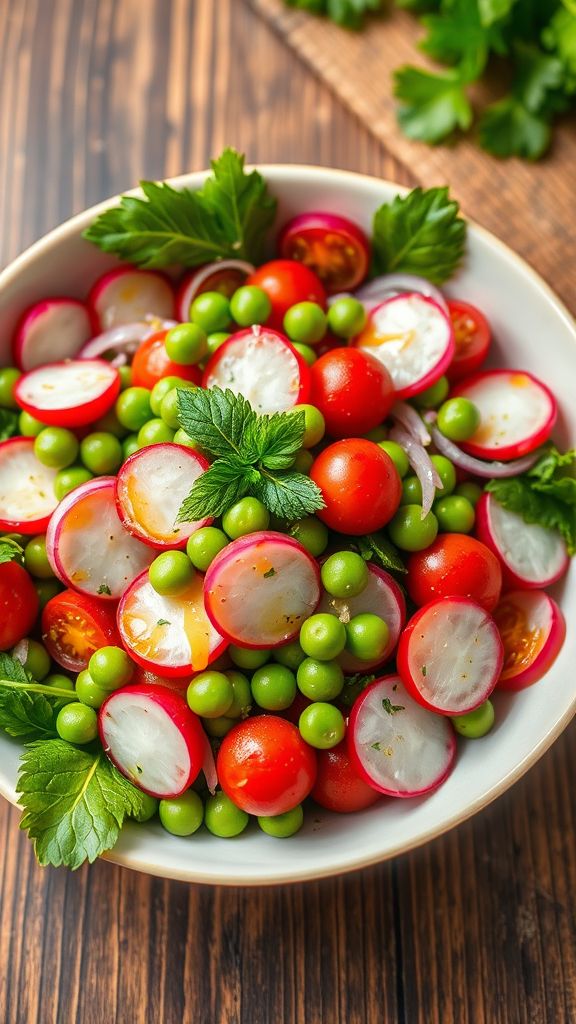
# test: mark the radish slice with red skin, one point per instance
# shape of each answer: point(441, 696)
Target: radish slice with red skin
point(531, 556)
point(69, 394)
point(150, 489)
point(414, 339)
point(388, 285)
point(153, 739)
point(51, 330)
point(223, 276)
point(27, 497)
point(450, 655)
point(127, 294)
point(381, 596)
point(263, 366)
point(517, 413)
point(170, 636)
point(87, 545)
point(397, 746)
point(260, 588)
point(532, 628)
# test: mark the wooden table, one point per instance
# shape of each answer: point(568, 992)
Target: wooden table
point(478, 927)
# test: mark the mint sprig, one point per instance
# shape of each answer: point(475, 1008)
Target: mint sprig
point(252, 455)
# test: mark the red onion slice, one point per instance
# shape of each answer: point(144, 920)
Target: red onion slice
point(411, 420)
point(124, 339)
point(486, 470)
point(209, 767)
point(381, 288)
point(421, 464)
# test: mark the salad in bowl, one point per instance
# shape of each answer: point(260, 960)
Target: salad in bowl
point(287, 512)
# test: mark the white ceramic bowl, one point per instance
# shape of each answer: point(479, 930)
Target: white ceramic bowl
point(533, 331)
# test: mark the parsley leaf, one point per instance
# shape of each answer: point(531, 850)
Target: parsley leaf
point(353, 686)
point(375, 547)
point(420, 233)
point(8, 424)
point(494, 10)
point(507, 128)
point(228, 217)
point(23, 713)
point(348, 13)
point(433, 105)
point(74, 802)
point(391, 708)
point(10, 550)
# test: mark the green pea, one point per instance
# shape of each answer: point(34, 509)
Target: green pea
point(346, 317)
point(475, 724)
point(186, 344)
point(130, 445)
point(311, 534)
point(455, 514)
point(171, 573)
point(246, 657)
point(281, 826)
point(303, 462)
point(314, 424)
point(411, 491)
point(458, 419)
point(133, 408)
point(377, 434)
point(273, 687)
point(322, 636)
point(155, 432)
point(204, 545)
point(210, 694)
point(77, 723)
point(447, 474)
point(344, 574)
point(215, 340)
point(320, 680)
point(181, 437)
point(291, 655)
point(110, 424)
point(308, 354)
point(36, 559)
point(211, 310)
point(37, 661)
point(125, 377)
point(88, 692)
point(223, 818)
point(246, 516)
point(322, 725)
point(472, 492)
point(398, 456)
point(305, 323)
point(432, 396)
point(28, 425)
point(9, 377)
point(67, 480)
point(46, 590)
point(218, 727)
point(161, 389)
point(182, 815)
point(110, 667)
point(148, 808)
point(367, 636)
point(63, 683)
point(56, 447)
point(169, 408)
point(101, 453)
point(250, 305)
point(409, 531)
point(241, 705)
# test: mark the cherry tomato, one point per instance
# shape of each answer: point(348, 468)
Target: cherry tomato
point(76, 625)
point(18, 604)
point(151, 363)
point(455, 565)
point(287, 282)
point(264, 765)
point(353, 391)
point(333, 247)
point(472, 336)
point(338, 787)
point(360, 486)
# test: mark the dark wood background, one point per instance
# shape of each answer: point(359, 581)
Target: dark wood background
point(478, 927)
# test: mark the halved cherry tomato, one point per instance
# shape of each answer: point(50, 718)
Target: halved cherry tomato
point(472, 336)
point(76, 625)
point(18, 604)
point(151, 363)
point(287, 282)
point(360, 486)
point(533, 629)
point(338, 786)
point(353, 391)
point(333, 247)
point(455, 565)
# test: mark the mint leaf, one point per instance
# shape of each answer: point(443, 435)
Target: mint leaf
point(223, 484)
point(276, 438)
point(420, 233)
point(228, 217)
point(546, 495)
point(288, 495)
point(433, 105)
point(10, 550)
point(8, 424)
point(217, 420)
point(74, 802)
point(375, 547)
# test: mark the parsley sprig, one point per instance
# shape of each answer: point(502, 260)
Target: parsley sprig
point(252, 453)
point(419, 233)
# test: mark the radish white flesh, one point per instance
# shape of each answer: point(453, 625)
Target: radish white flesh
point(517, 413)
point(172, 636)
point(396, 745)
point(153, 738)
point(51, 330)
point(69, 394)
point(381, 596)
point(150, 489)
point(450, 655)
point(224, 276)
point(262, 365)
point(126, 294)
point(87, 545)
point(260, 588)
point(26, 487)
point(530, 555)
point(533, 629)
point(414, 339)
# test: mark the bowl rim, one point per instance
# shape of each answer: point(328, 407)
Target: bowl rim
point(304, 172)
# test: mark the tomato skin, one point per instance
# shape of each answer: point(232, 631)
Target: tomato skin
point(151, 364)
point(455, 565)
point(472, 335)
point(333, 246)
point(287, 282)
point(353, 391)
point(338, 786)
point(264, 765)
point(18, 604)
point(75, 625)
point(360, 486)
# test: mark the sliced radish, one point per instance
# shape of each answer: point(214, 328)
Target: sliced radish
point(262, 365)
point(388, 285)
point(69, 394)
point(532, 628)
point(260, 588)
point(171, 636)
point(517, 413)
point(223, 276)
point(153, 738)
point(413, 336)
point(450, 655)
point(87, 545)
point(51, 330)
point(127, 294)
point(530, 555)
point(396, 745)
point(26, 487)
point(150, 489)
point(381, 596)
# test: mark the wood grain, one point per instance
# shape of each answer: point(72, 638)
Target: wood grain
point(478, 927)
